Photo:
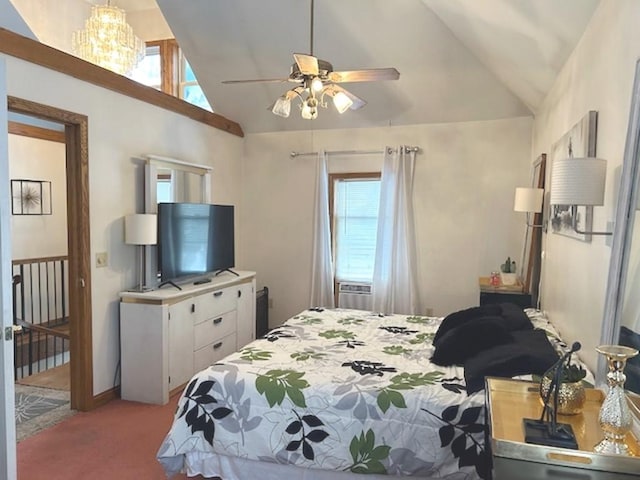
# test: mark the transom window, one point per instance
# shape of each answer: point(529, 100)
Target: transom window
point(354, 200)
point(165, 68)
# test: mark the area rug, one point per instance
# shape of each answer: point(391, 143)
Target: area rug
point(39, 408)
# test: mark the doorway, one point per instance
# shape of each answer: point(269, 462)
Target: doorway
point(78, 243)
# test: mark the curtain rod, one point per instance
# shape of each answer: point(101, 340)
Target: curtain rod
point(351, 152)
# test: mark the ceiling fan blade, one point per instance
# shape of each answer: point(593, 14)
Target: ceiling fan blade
point(272, 80)
point(369, 75)
point(308, 64)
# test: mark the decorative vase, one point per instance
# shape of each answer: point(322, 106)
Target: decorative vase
point(615, 416)
point(571, 396)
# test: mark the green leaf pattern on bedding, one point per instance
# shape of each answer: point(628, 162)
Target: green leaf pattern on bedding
point(367, 456)
point(339, 390)
point(276, 383)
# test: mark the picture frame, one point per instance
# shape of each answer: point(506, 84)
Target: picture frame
point(30, 197)
point(579, 141)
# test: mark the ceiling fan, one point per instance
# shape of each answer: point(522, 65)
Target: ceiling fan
point(316, 79)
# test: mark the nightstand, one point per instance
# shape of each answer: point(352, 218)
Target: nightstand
point(503, 293)
point(509, 401)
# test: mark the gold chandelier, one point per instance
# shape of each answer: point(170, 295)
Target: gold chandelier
point(107, 40)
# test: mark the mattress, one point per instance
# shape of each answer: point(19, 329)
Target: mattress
point(333, 391)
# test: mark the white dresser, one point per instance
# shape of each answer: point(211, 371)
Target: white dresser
point(167, 335)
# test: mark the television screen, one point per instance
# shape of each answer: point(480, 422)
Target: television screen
point(194, 239)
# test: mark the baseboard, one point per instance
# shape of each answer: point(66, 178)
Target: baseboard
point(105, 397)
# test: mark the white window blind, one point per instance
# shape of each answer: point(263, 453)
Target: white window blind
point(356, 223)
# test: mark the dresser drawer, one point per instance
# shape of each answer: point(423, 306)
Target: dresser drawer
point(210, 354)
point(215, 303)
point(213, 329)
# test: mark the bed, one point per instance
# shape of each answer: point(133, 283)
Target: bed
point(336, 393)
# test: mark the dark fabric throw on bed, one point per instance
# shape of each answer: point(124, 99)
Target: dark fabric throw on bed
point(470, 338)
point(456, 319)
point(515, 317)
point(529, 353)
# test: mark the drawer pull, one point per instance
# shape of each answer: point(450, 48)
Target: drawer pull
point(193, 308)
point(216, 321)
point(217, 345)
point(217, 294)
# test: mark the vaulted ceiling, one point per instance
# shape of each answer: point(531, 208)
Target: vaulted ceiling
point(459, 60)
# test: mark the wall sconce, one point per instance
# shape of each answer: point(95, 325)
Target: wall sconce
point(141, 229)
point(528, 200)
point(578, 181)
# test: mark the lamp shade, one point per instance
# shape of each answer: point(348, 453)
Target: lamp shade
point(578, 181)
point(141, 229)
point(528, 200)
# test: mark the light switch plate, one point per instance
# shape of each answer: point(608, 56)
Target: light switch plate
point(101, 259)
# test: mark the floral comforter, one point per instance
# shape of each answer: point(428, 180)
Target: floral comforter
point(341, 390)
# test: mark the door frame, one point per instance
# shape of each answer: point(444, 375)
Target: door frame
point(79, 245)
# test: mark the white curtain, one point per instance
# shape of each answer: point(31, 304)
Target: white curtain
point(395, 272)
point(322, 262)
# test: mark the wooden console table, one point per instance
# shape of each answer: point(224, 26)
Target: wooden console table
point(503, 293)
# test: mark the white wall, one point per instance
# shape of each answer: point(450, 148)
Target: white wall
point(465, 179)
point(36, 159)
point(69, 16)
point(121, 129)
point(597, 76)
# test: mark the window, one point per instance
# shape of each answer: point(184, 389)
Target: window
point(189, 89)
point(165, 68)
point(148, 71)
point(354, 200)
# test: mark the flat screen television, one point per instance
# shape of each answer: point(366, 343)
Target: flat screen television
point(194, 239)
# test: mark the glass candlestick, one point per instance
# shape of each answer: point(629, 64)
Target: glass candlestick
point(615, 416)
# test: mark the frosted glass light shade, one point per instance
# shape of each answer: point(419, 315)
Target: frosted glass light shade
point(342, 102)
point(141, 229)
point(282, 107)
point(528, 200)
point(578, 181)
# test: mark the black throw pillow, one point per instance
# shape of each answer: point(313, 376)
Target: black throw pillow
point(530, 353)
point(468, 339)
point(515, 317)
point(458, 318)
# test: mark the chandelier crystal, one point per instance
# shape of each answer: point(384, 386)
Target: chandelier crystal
point(108, 41)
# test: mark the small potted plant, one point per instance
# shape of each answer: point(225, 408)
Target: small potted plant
point(571, 395)
point(508, 274)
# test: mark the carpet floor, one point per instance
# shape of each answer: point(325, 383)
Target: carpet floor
point(118, 440)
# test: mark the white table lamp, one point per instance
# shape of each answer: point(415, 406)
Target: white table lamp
point(141, 229)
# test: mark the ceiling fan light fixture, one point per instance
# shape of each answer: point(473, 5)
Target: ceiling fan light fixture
point(316, 84)
point(309, 112)
point(342, 102)
point(282, 107)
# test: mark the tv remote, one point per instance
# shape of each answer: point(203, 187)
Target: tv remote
point(201, 282)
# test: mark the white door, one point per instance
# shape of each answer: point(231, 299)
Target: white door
point(8, 467)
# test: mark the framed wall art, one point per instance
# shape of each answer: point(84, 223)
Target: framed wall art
point(30, 197)
point(578, 142)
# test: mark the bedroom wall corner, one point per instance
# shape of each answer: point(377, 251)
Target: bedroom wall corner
point(597, 76)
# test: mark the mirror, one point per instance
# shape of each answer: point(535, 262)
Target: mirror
point(533, 239)
point(170, 180)
point(621, 319)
